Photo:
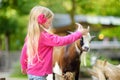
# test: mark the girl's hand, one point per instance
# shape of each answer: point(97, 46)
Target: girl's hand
point(23, 71)
point(82, 30)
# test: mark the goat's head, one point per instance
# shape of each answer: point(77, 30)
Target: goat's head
point(84, 43)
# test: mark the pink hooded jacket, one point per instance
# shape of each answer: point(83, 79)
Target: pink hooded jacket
point(45, 49)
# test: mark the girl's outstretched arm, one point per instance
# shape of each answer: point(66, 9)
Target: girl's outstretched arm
point(54, 40)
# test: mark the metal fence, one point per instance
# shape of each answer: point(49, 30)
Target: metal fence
point(8, 59)
point(104, 48)
point(105, 45)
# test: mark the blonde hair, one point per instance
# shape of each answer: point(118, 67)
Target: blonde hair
point(34, 31)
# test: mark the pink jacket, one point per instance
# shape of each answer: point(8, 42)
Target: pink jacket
point(45, 49)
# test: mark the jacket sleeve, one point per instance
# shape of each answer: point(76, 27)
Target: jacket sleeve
point(55, 40)
point(23, 57)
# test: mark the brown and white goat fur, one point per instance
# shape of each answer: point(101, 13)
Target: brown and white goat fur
point(67, 59)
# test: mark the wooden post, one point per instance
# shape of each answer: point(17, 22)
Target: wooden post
point(2, 78)
point(103, 70)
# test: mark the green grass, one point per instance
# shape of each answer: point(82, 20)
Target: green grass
point(16, 72)
point(16, 79)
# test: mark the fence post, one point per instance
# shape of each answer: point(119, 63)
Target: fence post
point(2, 78)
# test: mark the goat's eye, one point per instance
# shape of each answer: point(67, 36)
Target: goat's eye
point(81, 42)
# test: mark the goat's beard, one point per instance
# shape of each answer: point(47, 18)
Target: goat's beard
point(83, 58)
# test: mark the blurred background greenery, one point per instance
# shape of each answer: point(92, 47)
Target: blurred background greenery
point(14, 15)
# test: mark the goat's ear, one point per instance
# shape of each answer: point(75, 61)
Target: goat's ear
point(69, 32)
point(92, 37)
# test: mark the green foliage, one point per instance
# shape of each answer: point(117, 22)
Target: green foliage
point(8, 25)
point(57, 6)
point(98, 7)
point(24, 6)
point(14, 15)
point(8, 21)
point(19, 37)
point(111, 32)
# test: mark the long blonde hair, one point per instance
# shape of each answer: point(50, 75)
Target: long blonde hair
point(34, 30)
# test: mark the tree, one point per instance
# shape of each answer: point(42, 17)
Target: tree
point(8, 22)
point(11, 11)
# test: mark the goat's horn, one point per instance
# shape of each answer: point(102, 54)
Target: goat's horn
point(79, 25)
point(88, 27)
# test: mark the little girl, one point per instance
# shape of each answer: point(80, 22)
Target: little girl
point(36, 54)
